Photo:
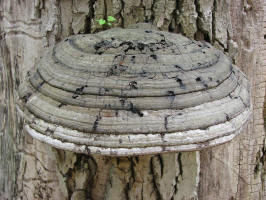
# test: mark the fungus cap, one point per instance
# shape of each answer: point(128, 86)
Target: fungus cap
point(134, 91)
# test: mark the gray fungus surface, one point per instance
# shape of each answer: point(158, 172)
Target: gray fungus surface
point(134, 91)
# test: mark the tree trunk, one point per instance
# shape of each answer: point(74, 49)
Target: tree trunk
point(32, 170)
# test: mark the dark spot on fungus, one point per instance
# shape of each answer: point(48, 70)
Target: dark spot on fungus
point(122, 101)
point(116, 70)
point(120, 56)
point(178, 80)
point(96, 122)
point(26, 97)
point(198, 79)
point(49, 131)
point(217, 81)
point(152, 47)
point(129, 45)
point(101, 44)
point(180, 114)
point(112, 38)
point(181, 84)
point(210, 78)
point(205, 85)
point(170, 93)
point(133, 85)
point(153, 56)
point(40, 85)
point(148, 31)
point(141, 46)
point(227, 117)
point(135, 110)
point(66, 40)
point(75, 96)
point(163, 42)
point(166, 122)
point(162, 35)
point(133, 59)
point(120, 141)
point(80, 90)
point(61, 104)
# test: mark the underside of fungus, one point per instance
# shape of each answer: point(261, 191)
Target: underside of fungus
point(128, 92)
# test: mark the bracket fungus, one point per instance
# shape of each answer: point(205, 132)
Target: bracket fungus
point(134, 91)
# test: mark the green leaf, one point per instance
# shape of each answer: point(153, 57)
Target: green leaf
point(111, 19)
point(101, 21)
point(109, 24)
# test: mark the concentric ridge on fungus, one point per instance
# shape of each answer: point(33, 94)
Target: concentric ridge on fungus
point(134, 91)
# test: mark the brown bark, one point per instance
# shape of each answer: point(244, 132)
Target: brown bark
point(32, 170)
